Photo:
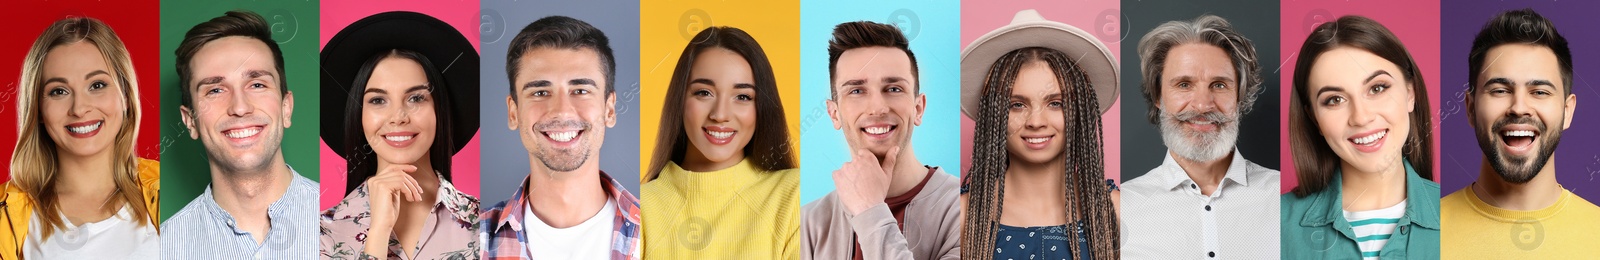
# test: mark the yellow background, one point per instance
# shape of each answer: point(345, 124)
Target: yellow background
point(665, 27)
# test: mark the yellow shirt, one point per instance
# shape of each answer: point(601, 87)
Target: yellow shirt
point(734, 213)
point(1472, 229)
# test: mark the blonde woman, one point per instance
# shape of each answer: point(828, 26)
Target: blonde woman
point(78, 113)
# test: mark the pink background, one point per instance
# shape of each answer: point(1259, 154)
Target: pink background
point(1415, 22)
point(463, 15)
point(980, 17)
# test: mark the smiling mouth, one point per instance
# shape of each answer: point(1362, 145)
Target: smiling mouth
point(85, 128)
point(1036, 140)
point(1369, 139)
point(399, 138)
point(1520, 139)
point(562, 136)
point(241, 133)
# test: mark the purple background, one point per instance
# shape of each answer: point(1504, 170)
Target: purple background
point(1578, 155)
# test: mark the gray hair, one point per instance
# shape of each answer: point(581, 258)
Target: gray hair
point(1208, 29)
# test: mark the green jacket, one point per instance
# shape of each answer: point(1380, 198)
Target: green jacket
point(1314, 227)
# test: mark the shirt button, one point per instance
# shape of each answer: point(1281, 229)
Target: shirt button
point(1403, 230)
point(1211, 254)
point(1208, 207)
point(1192, 186)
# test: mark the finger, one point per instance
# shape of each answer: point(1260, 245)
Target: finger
point(416, 189)
point(890, 159)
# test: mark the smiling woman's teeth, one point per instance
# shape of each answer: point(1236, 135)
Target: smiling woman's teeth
point(398, 138)
point(85, 129)
point(1519, 133)
point(562, 136)
point(720, 135)
point(1035, 140)
point(877, 130)
point(242, 133)
point(1371, 138)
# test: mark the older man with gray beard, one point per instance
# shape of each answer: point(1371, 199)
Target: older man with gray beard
point(1199, 78)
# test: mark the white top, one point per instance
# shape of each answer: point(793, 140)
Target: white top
point(1373, 227)
point(117, 237)
point(588, 240)
point(1164, 216)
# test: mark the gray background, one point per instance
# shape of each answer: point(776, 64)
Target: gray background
point(1142, 149)
point(504, 160)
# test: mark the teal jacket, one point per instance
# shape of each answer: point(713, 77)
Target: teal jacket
point(1313, 227)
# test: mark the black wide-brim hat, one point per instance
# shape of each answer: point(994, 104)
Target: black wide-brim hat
point(445, 47)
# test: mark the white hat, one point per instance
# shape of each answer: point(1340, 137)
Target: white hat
point(1029, 29)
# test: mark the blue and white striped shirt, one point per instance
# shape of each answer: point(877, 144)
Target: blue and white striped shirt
point(1373, 227)
point(202, 230)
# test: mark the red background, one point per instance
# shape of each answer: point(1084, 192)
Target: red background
point(135, 22)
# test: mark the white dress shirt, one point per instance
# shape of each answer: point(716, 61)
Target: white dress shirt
point(1164, 215)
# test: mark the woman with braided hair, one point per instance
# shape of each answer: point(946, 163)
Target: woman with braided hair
point(1037, 89)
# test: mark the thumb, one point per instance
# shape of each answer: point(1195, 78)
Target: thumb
point(890, 159)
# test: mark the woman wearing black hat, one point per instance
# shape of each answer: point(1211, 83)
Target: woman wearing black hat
point(398, 133)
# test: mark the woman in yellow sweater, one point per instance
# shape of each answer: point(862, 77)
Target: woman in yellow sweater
point(722, 183)
point(77, 191)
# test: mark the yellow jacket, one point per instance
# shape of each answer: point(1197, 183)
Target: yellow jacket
point(16, 208)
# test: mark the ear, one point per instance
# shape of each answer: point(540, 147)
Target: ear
point(1469, 107)
point(611, 110)
point(1572, 106)
point(188, 121)
point(1411, 98)
point(288, 108)
point(833, 114)
point(922, 106)
point(511, 113)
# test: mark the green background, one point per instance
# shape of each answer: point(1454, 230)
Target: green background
point(184, 168)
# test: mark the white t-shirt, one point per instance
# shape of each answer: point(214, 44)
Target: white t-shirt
point(588, 240)
point(1373, 227)
point(117, 237)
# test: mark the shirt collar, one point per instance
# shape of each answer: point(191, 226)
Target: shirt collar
point(209, 203)
point(1326, 204)
point(1173, 176)
point(627, 205)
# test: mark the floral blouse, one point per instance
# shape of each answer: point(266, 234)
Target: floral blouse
point(451, 232)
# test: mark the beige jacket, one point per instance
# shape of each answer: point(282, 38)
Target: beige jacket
point(932, 228)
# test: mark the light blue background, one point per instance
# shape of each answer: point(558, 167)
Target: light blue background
point(934, 30)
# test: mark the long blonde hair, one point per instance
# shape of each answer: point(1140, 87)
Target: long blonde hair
point(34, 163)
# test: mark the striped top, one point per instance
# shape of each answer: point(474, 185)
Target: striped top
point(1373, 227)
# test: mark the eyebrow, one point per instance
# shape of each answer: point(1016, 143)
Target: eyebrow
point(1375, 75)
point(703, 81)
point(408, 90)
point(258, 73)
point(581, 81)
point(1540, 82)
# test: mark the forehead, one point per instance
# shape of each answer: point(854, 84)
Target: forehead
point(1036, 79)
point(73, 58)
point(397, 73)
point(872, 63)
point(545, 62)
point(717, 62)
point(1348, 67)
point(1198, 60)
point(229, 56)
point(1520, 62)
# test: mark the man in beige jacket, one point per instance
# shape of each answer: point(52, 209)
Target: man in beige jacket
point(887, 204)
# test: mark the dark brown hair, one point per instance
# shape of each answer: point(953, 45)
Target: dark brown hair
point(363, 163)
point(769, 148)
point(565, 33)
point(1519, 26)
point(1087, 195)
point(233, 23)
point(1314, 160)
point(861, 34)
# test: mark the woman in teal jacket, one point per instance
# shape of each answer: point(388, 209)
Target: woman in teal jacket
point(1360, 131)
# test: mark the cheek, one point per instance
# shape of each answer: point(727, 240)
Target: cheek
point(746, 116)
point(53, 112)
point(426, 120)
point(1330, 122)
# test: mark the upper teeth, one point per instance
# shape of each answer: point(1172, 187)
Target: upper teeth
point(1519, 133)
point(85, 129)
point(1035, 140)
point(398, 138)
point(1371, 138)
point(720, 135)
point(877, 130)
point(242, 133)
point(563, 136)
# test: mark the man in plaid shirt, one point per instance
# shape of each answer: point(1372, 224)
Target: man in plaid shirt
point(566, 208)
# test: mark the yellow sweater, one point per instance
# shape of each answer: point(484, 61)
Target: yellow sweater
point(734, 213)
point(1472, 229)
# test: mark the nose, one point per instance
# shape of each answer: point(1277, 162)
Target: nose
point(80, 105)
point(719, 109)
point(238, 105)
point(1519, 104)
point(402, 116)
point(1360, 115)
point(1036, 118)
point(1204, 102)
point(561, 105)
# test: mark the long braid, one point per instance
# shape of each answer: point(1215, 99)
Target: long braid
point(1087, 197)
